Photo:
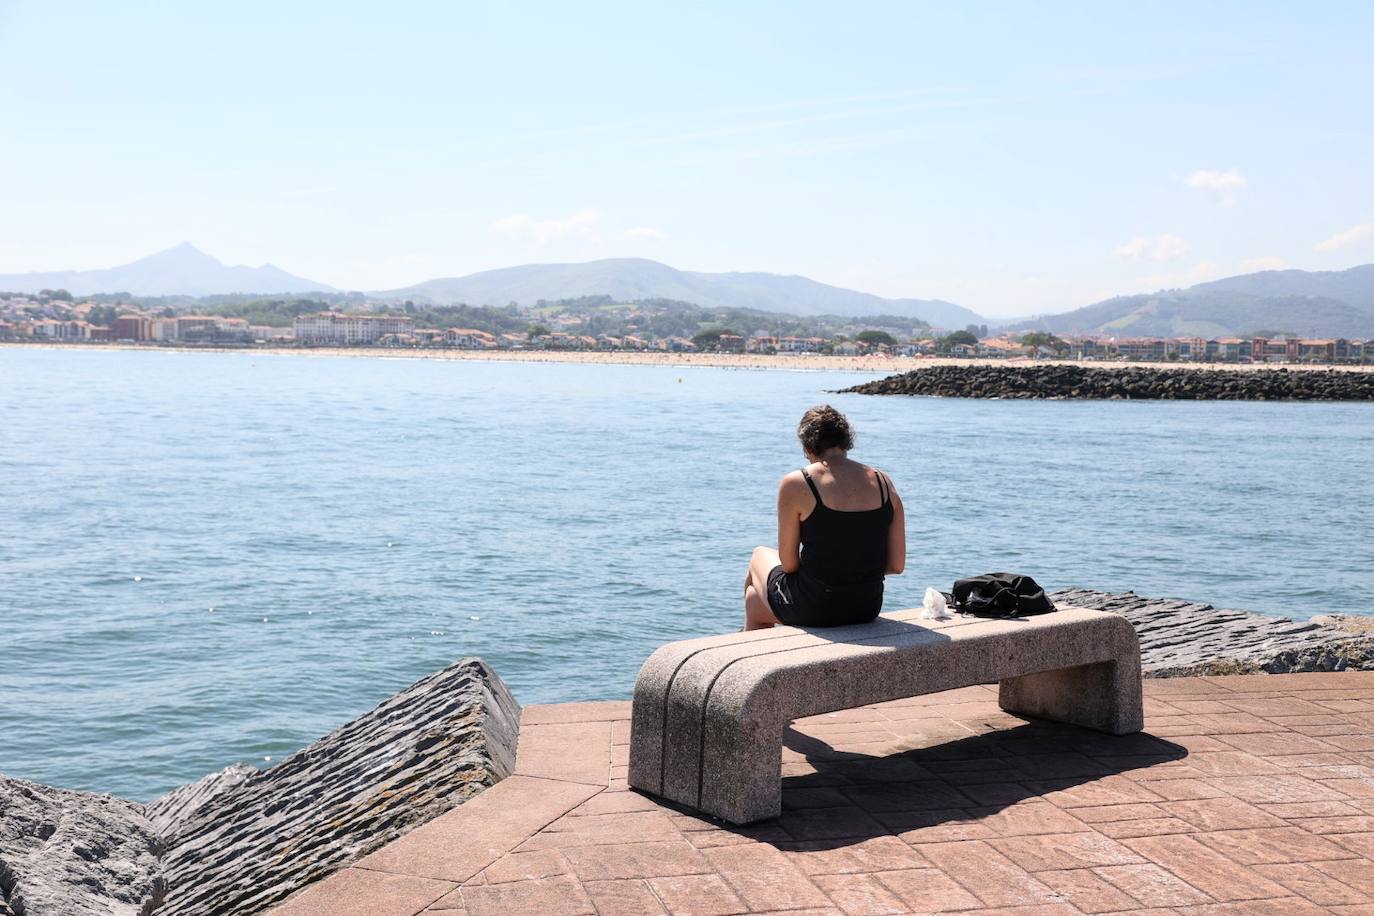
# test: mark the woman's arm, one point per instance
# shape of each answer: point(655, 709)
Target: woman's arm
point(896, 534)
point(789, 522)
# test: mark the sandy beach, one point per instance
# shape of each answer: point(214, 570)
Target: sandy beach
point(792, 362)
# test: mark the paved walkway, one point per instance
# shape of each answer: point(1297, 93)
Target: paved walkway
point(1245, 795)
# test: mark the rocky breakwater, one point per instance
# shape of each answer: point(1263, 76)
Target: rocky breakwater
point(1185, 638)
point(1126, 383)
point(242, 840)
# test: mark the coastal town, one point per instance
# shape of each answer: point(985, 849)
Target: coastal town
point(49, 319)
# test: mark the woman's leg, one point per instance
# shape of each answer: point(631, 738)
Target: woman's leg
point(757, 614)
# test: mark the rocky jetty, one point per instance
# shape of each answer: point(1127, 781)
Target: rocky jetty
point(1184, 638)
point(65, 853)
point(1059, 381)
point(422, 752)
point(241, 840)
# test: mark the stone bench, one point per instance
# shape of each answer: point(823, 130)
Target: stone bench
point(709, 714)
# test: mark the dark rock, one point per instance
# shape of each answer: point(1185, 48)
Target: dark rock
point(1124, 383)
point(66, 853)
point(175, 808)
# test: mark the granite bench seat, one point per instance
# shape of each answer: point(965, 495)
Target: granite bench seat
point(709, 714)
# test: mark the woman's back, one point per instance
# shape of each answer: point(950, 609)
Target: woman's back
point(844, 538)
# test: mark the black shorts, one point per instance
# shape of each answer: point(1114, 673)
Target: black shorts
point(800, 600)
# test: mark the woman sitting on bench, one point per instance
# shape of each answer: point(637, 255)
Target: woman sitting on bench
point(841, 529)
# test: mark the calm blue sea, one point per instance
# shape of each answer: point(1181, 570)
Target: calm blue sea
point(207, 558)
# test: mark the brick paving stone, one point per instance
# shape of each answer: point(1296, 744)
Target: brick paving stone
point(1059, 766)
point(919, 827)
point(1152, 826)
point(1287, 906)
point(1000, 793)
point(1291, 810)
point(358, 892)
point(860, 895)
point(1088, 891)
point(991, 876)
point(1362, 844)
point(764, 878)
point(1180, 789)
point(1274, 744)
point(459, 844)
point(697, 895)
point(596, 829)
point(561, 896)
point(1203, 868)
point(1220, 814)
point(1096, 814)
point(1356, 873)
point(1290, 761)
point(575, 752)
point(1064, 850)
point(615, 803)
point(817, 797)
point(926, 890)
point(1231, 763)
point(636, 860)
point(885, 853)
point(558, 713)
point(630, 897)
point(1350, 788)
point(1271, 845)
point(524, 866)
point(1271, 707)
point(830, 823)
point(1153, 885)
point(1355, 823)
point(1110, 790)
point(1257, 789)
point(1312, 883)
point(913, 796)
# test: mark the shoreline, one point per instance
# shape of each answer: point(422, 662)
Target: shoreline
point(786, 362)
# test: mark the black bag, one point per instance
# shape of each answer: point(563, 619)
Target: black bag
point(1000, 595)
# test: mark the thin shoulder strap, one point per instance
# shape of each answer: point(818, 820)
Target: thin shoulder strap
point(812, 484)
point(884, 487)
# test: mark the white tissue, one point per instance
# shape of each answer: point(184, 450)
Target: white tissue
point(933, 608)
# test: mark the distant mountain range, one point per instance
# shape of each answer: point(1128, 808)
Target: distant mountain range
point(181, 271)
point(1329, 303)
point(1308, 303)
point(629, 279)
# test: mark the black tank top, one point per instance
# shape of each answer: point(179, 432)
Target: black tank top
point(846, 548)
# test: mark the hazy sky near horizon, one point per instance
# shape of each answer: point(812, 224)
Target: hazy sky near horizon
point(1014, 158)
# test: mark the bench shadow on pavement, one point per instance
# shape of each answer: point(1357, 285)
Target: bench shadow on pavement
point(954, 788)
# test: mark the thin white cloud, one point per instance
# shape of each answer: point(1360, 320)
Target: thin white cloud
point(1198, 273)
point(1164, 247)
point(642, 234)
point(541, 231)
point(1352, 236)
point(1264, 262)
point(1223, 186)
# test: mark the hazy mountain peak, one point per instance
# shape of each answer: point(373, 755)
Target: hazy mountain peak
point(628, 279)
point(182, 270)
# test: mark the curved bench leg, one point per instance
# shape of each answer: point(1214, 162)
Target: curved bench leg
point(1105, 696)
point(741, 767)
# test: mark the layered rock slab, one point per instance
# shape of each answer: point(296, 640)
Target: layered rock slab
point(420, 753)
point(67, 853)
point(1187, 638)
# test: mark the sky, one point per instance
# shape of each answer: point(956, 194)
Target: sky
point(1014, 158)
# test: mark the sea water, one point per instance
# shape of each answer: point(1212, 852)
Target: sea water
point(213, 557)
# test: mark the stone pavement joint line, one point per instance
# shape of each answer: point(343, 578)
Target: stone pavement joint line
point(1247, 794)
